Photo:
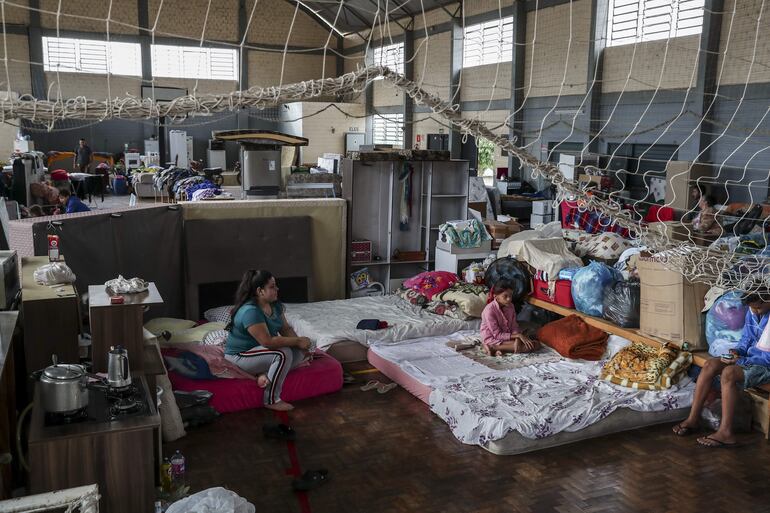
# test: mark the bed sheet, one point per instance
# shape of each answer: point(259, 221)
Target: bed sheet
point(481, 404)
point(328, 322)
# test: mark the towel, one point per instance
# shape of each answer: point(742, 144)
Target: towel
point(572, 337)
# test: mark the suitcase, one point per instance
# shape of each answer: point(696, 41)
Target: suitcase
point(562, 292)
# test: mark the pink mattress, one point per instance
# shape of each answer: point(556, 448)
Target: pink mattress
point(396, 374)
point(322, 376)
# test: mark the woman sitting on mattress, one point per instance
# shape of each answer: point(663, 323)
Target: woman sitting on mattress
point(261, 342)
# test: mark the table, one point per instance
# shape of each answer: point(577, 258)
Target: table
point(113, 325)
point(447, 261)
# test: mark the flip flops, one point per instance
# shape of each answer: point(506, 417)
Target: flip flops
point(680, 430)
point(279, 432)
point(382, 388)
point(713, 443)
point(310, 479)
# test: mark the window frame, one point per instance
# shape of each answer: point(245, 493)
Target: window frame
point(395, 64)
point(80, 49)
point(199, 57)
point(491, 41)
point(388, 123)
point(645, 20)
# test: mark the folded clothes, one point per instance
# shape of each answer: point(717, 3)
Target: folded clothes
point(572, 337)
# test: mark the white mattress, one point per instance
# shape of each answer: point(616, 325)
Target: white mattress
point(328, 322)
point(540, 400)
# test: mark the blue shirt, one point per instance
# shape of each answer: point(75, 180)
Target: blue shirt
point(249, 314)
point(752, 330)
point(75, 205)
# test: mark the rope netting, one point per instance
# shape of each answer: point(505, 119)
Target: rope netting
point(722, 116)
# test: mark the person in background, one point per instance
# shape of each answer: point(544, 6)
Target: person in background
point(706, 220)
point(261, 342)
point(83, 157)
point(746, 366)
point(500, 332)
point(70, 204)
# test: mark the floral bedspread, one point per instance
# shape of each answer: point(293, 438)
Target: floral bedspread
point(541, 400)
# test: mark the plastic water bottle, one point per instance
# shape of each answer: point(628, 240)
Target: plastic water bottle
point(177, 468)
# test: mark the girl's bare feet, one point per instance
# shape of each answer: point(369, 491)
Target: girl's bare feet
point(280, 406)
point(498, 353)
point(262, 380)
point(486, 349)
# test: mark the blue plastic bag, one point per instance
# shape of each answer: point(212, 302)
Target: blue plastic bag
point(724, 323)
point(588, 287)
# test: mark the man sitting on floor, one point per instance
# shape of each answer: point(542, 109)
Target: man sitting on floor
point(70, 203)
point(747, 366)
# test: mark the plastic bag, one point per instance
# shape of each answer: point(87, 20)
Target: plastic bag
point(508, 268)
point(588, 287)
point(214, 499)
point(711, 415)
point(621, 303)
point(54, 274)
point(474, 273)
point(724, 323)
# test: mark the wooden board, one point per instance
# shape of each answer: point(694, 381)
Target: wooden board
point(699, 357)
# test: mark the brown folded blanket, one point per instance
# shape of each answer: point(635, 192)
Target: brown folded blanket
point(573, 338)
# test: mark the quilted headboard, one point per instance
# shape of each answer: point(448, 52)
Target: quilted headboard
point(218, 251)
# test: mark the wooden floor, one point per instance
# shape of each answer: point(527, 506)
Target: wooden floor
point(389, 453)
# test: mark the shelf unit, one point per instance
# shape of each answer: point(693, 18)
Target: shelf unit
point(372, 189)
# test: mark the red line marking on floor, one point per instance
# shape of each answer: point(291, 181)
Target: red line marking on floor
point(295, 469)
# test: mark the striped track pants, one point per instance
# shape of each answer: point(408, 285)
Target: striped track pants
point(276, 363)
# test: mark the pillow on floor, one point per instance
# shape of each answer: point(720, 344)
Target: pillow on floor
point(431, 283)
point(469, 297)
point(194, 335)
point(218, 314)
point(161, 324)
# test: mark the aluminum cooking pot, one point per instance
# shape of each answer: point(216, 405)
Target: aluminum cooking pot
point(63, 388)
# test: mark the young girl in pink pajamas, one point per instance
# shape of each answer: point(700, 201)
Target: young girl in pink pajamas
point(500, 332)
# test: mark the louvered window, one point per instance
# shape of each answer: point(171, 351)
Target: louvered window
point(391, 56)
point(194, 62)
point(91, 56)
point(488, 43)
point(631, 21)
point(388, 129)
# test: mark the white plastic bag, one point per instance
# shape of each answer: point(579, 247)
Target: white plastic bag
point(54, 274)
point(214, 499)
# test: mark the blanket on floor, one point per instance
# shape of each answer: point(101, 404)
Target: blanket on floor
point(648, 368)
point(471, 348)
point(573, 338)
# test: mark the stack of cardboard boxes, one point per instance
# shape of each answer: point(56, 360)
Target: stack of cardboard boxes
point(542, 213)
point(501, 230)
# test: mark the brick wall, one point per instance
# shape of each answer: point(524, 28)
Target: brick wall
point(17, 14)
point(493, 118)
point(202, 87)
point(491, 81)
point(272, 20)
point(91, 86)
point(426, 123)
point(385, 95)
point(76, 14)
point(185, 18)
point(265, 68)
point(739, 43)
point(549, 50)
point(433, 71)
point(18, 67)
point(681, 61)
point(326, 131)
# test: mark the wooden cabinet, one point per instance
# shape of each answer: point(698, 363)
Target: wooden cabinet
point(398, 206)
point(119, 325)
point(50, 319)
point(119, 456)
point(7, 403)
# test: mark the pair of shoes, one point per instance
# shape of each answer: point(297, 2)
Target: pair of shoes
point(310, 479)
point(279, 432)
point(348, 379)
point(382, 388)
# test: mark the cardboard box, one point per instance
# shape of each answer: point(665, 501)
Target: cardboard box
point(500, 230)
point(679, 177)
point(539, 220)
point(590, 179)
point(670, 305)
point(542, 207)
point(478, 206)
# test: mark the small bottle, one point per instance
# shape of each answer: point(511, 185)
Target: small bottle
point(177, 468)
point(166, 478)
point(158, 507)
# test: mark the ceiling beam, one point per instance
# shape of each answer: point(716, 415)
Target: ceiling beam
point(402, 8)
point(390, 15)
point(314, 15)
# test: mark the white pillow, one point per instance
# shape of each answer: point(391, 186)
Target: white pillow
point(218, 314)
point(161, 324)
point(216, 338)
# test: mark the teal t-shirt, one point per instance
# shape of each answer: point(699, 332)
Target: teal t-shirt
point(240, 339)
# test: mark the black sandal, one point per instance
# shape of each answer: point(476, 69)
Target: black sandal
point(310, 479)
point(279, 432)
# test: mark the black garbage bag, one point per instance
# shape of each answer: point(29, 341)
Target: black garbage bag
point(621, 303)
point(510, 269)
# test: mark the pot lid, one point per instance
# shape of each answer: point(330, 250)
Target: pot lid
point(64, 372)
